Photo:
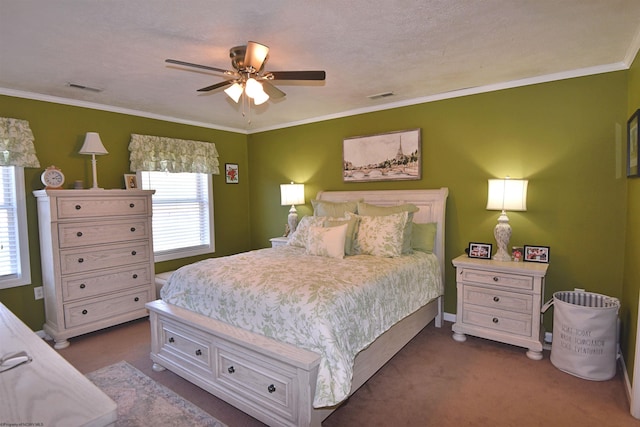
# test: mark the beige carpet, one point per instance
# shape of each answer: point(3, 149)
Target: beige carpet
point(143, 402)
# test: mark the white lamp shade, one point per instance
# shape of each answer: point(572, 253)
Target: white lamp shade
point(234, 91)
point(253, 88)
point(507, 194)
point(260, 98)
point(93, 145)
point(291, 194)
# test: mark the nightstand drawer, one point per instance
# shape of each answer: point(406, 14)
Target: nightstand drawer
point(77, 260)
point(94, 233)
point(494, 278)
point(500, 320)
point(74, 288)
point(102, 206)
point(493, 298)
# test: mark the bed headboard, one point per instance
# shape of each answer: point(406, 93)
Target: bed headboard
point(432, 205)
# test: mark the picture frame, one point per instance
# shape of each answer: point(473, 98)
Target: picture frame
point(633, 154)
point(479, 250)
point(517, 252)
point(231, 173)
point(536, 254)
point(392, 156)
point(130, 181)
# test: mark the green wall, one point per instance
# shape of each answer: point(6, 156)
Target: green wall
point(629, 312)
point(560, 135)
point(59, 133)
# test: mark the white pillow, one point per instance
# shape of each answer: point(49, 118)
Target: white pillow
point(381, 235)
point(299, 237)
point(327, 241)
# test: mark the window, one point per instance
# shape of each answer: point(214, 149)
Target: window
point(182, 213)
point(14, 244)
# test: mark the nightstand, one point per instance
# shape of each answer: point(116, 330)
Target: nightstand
point(279, 241)
point(500, 301)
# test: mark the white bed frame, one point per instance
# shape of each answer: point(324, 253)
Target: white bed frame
point(273, 381)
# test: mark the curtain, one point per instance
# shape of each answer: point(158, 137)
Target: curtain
point(158, 153)
point(16, 144)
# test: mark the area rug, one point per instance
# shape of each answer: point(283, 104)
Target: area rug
point(143, 402)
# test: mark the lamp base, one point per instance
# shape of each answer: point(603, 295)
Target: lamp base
point(292, 219)
point(502, 233)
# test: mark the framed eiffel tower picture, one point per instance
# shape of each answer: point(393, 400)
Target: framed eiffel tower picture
point(392, 156)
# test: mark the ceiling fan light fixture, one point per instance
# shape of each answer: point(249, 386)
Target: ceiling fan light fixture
point(255, 55)
point(260, 98)
point(253, 88)
point(234, 91)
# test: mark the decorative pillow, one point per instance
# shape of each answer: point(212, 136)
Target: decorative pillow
point(299, 237)
point(375, 210)
point(327, 241)
point(333, 209)
point(381, 235)
point(352, 229)
point(423, 236)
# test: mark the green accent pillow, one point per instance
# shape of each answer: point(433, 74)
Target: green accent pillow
point(352, 229)
point(333, 209)
point(375, 210)
point(327, 241)
point(423, 236)
point(380, 235)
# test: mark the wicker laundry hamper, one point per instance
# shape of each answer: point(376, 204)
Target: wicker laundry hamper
point(585, 334)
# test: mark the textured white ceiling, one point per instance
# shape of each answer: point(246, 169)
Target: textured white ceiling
point(417, 49)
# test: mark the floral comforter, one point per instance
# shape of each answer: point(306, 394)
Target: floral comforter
point(334, 307)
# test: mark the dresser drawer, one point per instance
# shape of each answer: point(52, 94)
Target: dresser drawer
point(499, 320)
point(81, 313)
point(74, 288)
point(192, 346)
point(494, 298)
point(93, 233)
point(71, 207)
point(270, 383)
point(78, 261)
point(507, 280)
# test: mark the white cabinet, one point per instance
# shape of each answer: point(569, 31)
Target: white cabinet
point(278, 241)
point(96, 249)
point(500, 301)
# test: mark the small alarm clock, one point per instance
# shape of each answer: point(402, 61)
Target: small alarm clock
point(52, 177)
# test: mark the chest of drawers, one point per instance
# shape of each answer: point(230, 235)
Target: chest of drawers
point(96, 250)
point(500, 301)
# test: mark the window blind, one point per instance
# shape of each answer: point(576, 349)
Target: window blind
point(9, 241)
point(181, 212)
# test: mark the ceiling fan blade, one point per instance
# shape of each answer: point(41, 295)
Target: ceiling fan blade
point(217, 86)
point(204, 67)
point(255, 56)
point(272, 91)
point(298, 75)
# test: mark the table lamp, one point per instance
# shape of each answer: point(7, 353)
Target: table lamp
point(292, 194)
point(93, 145)
point(503, 195)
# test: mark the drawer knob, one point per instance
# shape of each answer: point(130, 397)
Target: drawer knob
point(198, 352)
point(271, 388)
point(136, 299)
point(495, 320)
point(80, 260)
point(496, 299)
point(79, 234)
point(82, 286)
point(496, 278)
point(231, 369)
point(78, 207)
point(135, 276)
point(133, 253)
point(84, 311)
point(133, 229)
point(171, 339)
point(132, 205)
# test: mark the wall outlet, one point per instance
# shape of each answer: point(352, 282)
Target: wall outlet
point(38, 293)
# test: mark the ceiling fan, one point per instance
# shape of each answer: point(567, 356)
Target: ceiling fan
point(248, 75)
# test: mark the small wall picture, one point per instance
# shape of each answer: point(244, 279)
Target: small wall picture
point(536, 253)
point(231, 173)
point(517, 252)
point(633, 153)
point(130, 181)
point(480, 250)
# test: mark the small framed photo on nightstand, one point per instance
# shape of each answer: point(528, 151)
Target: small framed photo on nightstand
point(480, 250)
point(536, 254)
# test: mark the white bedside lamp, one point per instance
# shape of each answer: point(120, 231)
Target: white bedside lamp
point(292, 194)
point(503, 195)
point(93, 145)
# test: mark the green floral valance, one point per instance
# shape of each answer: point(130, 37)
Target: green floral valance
point(158, 153)
point(16, 144)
